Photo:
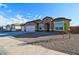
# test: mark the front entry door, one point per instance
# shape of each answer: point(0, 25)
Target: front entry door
point(47, 27)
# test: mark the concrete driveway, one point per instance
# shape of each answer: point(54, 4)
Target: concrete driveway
point(11, 46)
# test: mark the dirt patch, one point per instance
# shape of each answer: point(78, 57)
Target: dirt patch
point(56, 42)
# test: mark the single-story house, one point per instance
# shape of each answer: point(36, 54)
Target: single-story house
point(47, 24)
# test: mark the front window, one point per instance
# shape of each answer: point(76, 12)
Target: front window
point(59, 26)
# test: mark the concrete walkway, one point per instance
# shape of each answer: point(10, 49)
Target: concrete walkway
point(9, 46)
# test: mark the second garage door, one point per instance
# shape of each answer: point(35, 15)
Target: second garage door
point(30, 28)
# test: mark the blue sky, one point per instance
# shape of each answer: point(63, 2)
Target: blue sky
point(21, 13)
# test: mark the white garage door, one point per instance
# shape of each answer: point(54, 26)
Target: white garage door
point(30, 28)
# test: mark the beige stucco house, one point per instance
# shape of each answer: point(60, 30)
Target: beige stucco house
point(47, 24)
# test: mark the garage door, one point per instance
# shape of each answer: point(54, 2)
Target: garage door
point(30, 28)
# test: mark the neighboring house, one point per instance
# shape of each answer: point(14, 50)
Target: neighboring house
point(61, 24)
point(74, 29)
point(22, 27)
point(15, 27)
point(1, 28)
point(32, 26)
point(8, 27)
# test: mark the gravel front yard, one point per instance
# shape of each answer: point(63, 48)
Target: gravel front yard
point(53, 42)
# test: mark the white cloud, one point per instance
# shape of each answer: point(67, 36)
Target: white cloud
point(3, 20)
point(18, 19)
point(18, 16)
point(14, 20)
point(33, 17)
point(3, 5)
point(29, 16)
point(37, 17)
point(21, 18)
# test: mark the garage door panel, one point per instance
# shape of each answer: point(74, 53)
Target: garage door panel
point(30, 28)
